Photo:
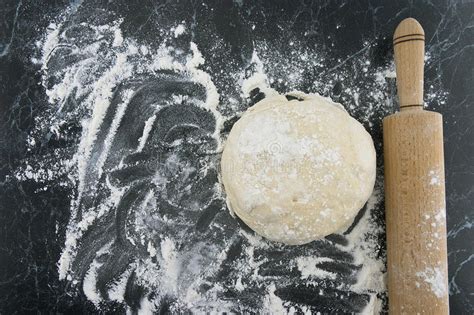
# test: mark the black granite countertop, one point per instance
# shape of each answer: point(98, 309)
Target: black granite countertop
point(113, 114)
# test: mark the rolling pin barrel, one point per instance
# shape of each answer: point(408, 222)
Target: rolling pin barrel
point(414, 188)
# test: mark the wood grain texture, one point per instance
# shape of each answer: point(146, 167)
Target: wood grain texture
point(415, 213)
point(414, 189)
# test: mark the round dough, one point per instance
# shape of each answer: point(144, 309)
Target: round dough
point(296, 171)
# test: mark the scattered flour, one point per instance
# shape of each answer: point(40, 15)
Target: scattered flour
point(435, 278)
point(434, 178)
point(238, 284)
point(258, 80)
point(364, 246)
point(364, 90)
point(170, 264)
point(308, 266)
point(273, 304)
point(168, 275)
point(179, 30)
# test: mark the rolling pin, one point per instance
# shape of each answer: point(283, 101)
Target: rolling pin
point(414, 188)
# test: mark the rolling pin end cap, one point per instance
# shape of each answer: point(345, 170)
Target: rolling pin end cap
point(408, 29)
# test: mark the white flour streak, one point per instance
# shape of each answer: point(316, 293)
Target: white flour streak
point(170, 265)
point(163, 61)
point(75, 231)
point(212, 99)
point(90, 281)
point(238, 284)
point(100, 97)
point(113, 129)
point(68, 253)
point(50, 43)
point(146, 132)
point(118, 38)
point(363, 245)
point(308, 266)
point(117, 291)
point(257, 80)
point(374, 307)
point(147, 307)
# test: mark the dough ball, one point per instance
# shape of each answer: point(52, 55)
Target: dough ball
point(296, 171)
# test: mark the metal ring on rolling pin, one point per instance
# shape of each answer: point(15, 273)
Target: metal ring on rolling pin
point(407, 38)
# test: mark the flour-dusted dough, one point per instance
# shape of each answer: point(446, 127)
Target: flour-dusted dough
point(295, 171)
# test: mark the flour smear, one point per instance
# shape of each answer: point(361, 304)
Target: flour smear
point(148, 224)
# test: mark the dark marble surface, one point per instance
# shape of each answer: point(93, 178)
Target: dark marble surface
point(34, 214)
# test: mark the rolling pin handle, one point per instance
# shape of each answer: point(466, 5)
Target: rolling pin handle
point(409, 47)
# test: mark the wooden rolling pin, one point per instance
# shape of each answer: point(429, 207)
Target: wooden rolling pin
point(414, 188)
